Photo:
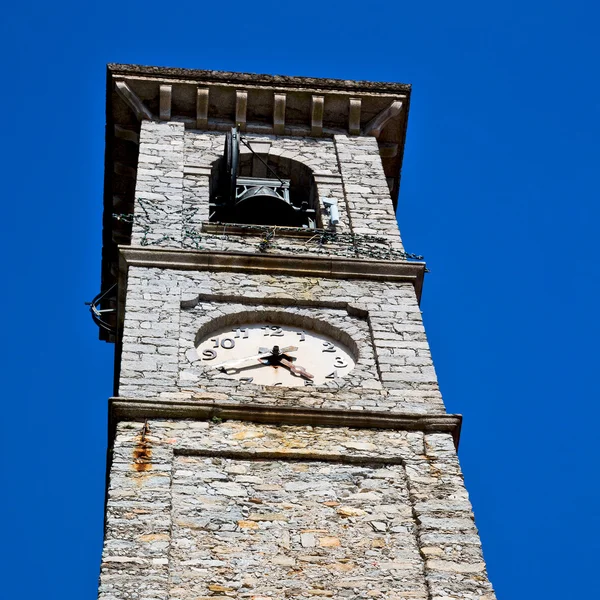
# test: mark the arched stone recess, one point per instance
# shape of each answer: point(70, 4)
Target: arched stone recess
point(266, 209)
point(281, 317)
point(314, 174)
point(297, 160)
point(208, 317)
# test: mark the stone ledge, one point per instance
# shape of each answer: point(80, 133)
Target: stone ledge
point(273, 264)
point(218, 228)
point(207, 77)
point(196, 170)
point(122, 409)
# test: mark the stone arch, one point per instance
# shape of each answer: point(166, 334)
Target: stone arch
point(280, 317)
point(269, 164)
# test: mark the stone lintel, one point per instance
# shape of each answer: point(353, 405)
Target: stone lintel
point(197, 170)
point(317, 108)
point(377, 123)
point(125, 409)
point(354, 116)
point(241, 108)
point(166, 92)
point(202, 95)
point(124, 170)
point(279, 102)
point(132, 100)
point(127, 134)
point(273, 264)
point(328, 178)
point(388, 150)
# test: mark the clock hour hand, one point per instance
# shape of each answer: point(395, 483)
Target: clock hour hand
point(276, 350)
point(228, 364)
point(296, 369)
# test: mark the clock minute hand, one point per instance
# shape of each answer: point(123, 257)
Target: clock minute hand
point(241, 361)
point(296, 369)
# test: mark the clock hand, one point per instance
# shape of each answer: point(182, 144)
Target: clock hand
point(296, 369)
point(240, 361)
point(276, 350)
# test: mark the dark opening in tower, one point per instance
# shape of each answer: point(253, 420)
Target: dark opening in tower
point(258, 188)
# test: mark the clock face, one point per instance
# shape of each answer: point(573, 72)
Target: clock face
point(269, 354)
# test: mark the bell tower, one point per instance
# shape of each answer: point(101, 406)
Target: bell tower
point(276, 429)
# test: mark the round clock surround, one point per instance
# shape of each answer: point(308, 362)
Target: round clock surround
point(274, 354)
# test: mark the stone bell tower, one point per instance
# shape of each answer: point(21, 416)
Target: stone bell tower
point(276, 429)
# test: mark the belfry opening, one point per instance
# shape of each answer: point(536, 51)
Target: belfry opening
point(251, 187)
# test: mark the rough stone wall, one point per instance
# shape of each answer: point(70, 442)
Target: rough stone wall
point(394, 370)
point(237, 510)
point(290, 528)
point(367, 194)
point(159, 185)
point(173, 185)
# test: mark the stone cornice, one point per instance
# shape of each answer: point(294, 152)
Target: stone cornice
point(273, 264)
point(279, 81)
point(122, 409)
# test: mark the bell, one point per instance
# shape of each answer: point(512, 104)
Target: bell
point(261, 205)
point(253, 200)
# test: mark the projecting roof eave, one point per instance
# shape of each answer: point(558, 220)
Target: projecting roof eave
point(228, 77)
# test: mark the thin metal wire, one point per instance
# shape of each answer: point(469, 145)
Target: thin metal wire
point(261, 160)
point(347, 243)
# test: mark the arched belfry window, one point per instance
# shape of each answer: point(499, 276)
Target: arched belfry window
point(255, 188)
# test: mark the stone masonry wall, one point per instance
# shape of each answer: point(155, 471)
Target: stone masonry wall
point(159, 185)
point(367, 194)
point(173, 185)
point(209, 510)
point(394, 369)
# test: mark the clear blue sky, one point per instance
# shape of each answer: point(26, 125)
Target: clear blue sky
point(499, 193)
